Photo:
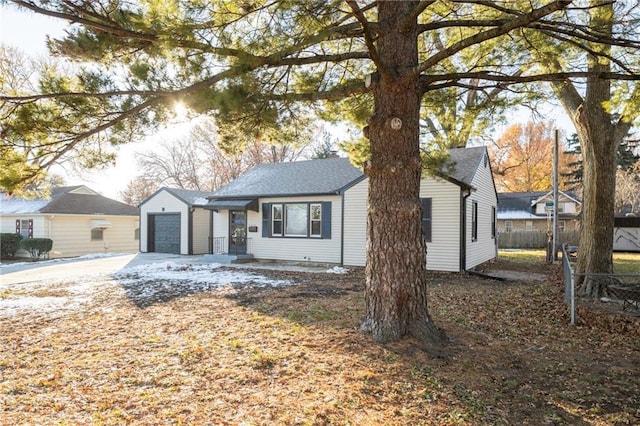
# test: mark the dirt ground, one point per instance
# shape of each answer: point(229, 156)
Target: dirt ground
point(257, 355)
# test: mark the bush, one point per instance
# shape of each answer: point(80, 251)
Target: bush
point(9, 245)
point(37, 247)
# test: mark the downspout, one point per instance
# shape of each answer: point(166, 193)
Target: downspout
point(210, 231)
point(463, 228)
point(190, 230)
point(342, 230)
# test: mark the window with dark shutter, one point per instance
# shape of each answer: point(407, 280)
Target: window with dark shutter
point(474, 222)
point(426, 218)
point(493, 222)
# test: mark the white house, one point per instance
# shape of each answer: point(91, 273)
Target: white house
point(316, 211)
point(175, 221)
point(527, 211)
point(78, 220)
point(626, 234)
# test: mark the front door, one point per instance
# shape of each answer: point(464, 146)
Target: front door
point(237, 232)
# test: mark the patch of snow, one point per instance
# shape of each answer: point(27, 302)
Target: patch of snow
point(195, 274)
point(338, 270)
point(63, 259)
point(44, 305)
point(144, 284)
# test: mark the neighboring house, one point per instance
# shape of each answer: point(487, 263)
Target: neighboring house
point(316, 211)
point(527, 211)
point(626, 234)
point(175, 221)
point(78, 220)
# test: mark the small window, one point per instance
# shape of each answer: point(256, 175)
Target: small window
point(426, 218)
point(24, 227)
point(493, 222)
point(315, 220)
point(562, 226)
point(136, 234)
point(528, 225)
point(508, 226)
point(474, 222)
point(97, 234)
point(276, 223)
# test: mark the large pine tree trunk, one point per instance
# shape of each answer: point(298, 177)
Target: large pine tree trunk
point(396, 284)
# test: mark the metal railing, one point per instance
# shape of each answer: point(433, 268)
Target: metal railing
point(569, 283)
point(571, 277)
point(218, 245)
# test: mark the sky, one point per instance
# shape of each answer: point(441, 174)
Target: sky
point(28, 32)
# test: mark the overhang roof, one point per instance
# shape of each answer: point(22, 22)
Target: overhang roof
point(233, 204)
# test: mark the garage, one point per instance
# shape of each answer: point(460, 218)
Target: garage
point(175, 221)
point(165, 233)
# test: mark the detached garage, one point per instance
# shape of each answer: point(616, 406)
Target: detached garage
point(175, 221)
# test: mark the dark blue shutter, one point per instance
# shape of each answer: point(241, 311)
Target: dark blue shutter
point(426, 218)
point(266, 220)
point(326, 220)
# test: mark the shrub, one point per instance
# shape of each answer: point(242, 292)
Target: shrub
point(37, 247)
point(9, 245)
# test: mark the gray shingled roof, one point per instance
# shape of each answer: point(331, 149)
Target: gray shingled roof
point(466, 162)
point(312, 177)
point(190, 197)
point(327, 176)
point(510, 204)
point(517, 201)
point(63, 201)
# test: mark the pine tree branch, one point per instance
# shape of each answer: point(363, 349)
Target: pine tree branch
point(501, 30)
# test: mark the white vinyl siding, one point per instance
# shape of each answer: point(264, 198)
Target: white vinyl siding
point(201, 223)
point(355, 224)
point(484, 248)
point(325, 250)
point(165, 203)
point(443, 252)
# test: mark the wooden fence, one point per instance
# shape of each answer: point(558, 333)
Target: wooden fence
point(534, 239)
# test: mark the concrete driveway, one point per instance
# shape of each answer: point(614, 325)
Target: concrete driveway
point(66, 268)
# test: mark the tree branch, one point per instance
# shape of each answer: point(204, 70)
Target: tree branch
point(519, 22)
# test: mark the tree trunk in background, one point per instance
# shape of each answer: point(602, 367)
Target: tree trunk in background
point(599, 139)
point(396, 283)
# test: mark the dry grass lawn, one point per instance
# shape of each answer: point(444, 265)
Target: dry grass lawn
point(251, 355)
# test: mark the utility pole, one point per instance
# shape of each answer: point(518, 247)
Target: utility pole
point(555, 196)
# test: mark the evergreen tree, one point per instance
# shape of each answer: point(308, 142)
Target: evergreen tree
point(263, 64)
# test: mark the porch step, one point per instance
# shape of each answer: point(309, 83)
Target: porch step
point(227, 258)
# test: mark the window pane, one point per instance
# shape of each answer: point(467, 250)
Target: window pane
point(296, 219)
point(24, 228)
point(316, 212)
point(277, 212)
point(316, 229)
point(96, 234)
point(276, 220)
point(316, 220)
point(277, 227)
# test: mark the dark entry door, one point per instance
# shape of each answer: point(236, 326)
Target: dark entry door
point(166, 233)
point(237, 232)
